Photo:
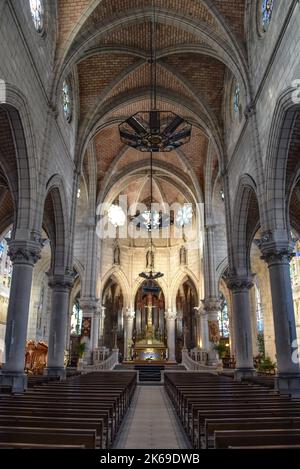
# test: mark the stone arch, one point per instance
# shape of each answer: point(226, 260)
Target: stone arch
point(55, 221)
point(246, 223)
point(178, 279)
point(21, 171)
point(120, 277)
point(162, 284)
point(285, 118)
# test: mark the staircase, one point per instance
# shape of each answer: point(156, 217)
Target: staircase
point(149, 373)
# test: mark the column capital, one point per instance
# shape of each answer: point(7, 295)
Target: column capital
point(237, 283)
point(61, 282)
point(199, 310)
point(129, 314)
point(24, 252)
point(90, 304)
point(170, 315)
point(211, 305)
point(277, 252)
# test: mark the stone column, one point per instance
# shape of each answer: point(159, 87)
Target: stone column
point(241, 317)
point(23, 254)
point(61, 286)
point(128, 329)
point(278, 258)
point(170, 320)
point(101, 325)
point(211, 309)
point(90, 328)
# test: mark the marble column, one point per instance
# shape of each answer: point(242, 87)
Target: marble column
point(61, 286)
point(23, 254)
point(278, 258)
point(211, 308)
point(241, 316)
point(101, 325)
point(90, 317)
point(128, 330)
point(170, 317)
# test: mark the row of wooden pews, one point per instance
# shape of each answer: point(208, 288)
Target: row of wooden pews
point(218, 412)
point(81, 412)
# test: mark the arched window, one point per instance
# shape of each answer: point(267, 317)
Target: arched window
point(259, 311)
point(37, 13)
point(223, 319)
point(295, 266)
point(5, 263)
point(236, 98)
point(76, 318)
point(67, 100)
point(266, 13)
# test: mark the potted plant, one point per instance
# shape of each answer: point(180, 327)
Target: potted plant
point(220, 348)
point(80, 351)
point(266, 365)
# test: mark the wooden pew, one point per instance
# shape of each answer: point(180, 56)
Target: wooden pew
point(257, 438)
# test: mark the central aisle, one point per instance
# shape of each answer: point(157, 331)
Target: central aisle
point(151, 423)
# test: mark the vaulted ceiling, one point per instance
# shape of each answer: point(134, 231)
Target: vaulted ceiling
point(198, 42)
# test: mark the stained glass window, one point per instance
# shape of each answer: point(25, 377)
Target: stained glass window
point(223, 319)
point(76, 319)
point(267, 10)
point(5, 263)
point(295, 266)
point(236, 98)
point(37, 13)
point(67, 100)
point(259, 311)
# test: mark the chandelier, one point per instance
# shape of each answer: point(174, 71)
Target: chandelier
point(154, 130)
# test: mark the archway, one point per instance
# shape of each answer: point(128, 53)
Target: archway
point(186, 323)
point(149, 336)
point(112, 301)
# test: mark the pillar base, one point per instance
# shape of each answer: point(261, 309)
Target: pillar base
point(16, 380)
point(241, 373)
point(56, 372)
point(288, 383)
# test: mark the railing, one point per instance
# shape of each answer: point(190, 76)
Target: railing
point(100, 355)
point(199, 355)
point(193, 365)
point(107, 364)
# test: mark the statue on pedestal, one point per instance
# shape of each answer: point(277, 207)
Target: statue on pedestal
point(182, 256)
point(150, 260)
point(117, 254)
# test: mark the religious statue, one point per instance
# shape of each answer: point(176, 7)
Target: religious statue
point(182, 255)
point(116, 254)
point(150, 259)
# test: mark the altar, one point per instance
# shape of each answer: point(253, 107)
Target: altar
point(149, 344)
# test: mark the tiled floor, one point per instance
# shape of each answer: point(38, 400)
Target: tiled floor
point(151, 423)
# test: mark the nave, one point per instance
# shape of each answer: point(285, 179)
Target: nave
point(107, 410)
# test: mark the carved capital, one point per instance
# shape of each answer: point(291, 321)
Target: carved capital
point(129, 314)
point(237, 283)
point(170, 315)
point(211, 305)
point(61, 282)
point(24, 252)
point(279, 252)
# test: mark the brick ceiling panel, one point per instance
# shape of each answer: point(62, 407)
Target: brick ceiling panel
point(234, 12)
point(205, 74)
point(141, 78)
point(108, 145)
point(69, 12)
point(138, 36)
point(189, 8)
point(196, 152)
point(96, 73)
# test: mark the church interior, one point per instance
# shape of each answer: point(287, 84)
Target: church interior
point(149, 224)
